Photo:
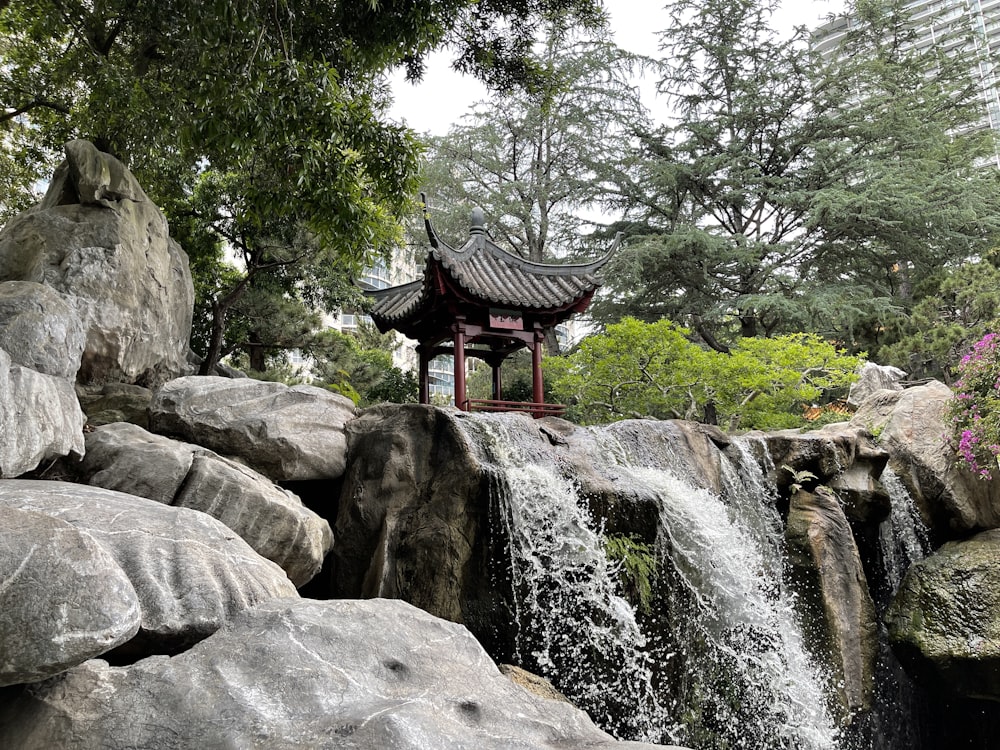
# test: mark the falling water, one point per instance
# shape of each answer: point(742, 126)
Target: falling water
point(900, 707)
point(719, 661)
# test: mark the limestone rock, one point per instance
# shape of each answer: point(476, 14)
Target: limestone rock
point(97, 240)
point(944, 623)
point(298, 674)
point(285, 433)
point(827, 568)
point(40, 418)
point(872, 378)
point(190, 572)
point(912, 426)
point(39, 330)
point(115, 402)
point(272, 520)
point(63, 598)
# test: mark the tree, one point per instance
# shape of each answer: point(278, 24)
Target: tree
point(530, 158)
point(785, 195)
point(959, 307)
point(263, 123)
point(638, 369)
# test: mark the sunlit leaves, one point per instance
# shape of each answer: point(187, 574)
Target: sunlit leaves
point(638, 369)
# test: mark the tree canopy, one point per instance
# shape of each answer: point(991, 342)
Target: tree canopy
point(262, 125)
point(797, 192)
point(637, 369)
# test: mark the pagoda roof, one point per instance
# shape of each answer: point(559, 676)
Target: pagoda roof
point(483, 272)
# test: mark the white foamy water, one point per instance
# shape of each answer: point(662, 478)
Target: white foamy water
point(724, 654)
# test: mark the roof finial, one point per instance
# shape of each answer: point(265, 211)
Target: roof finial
point(431, 234)
point(478, 224)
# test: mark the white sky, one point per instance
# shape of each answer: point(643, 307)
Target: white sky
point(443, 96)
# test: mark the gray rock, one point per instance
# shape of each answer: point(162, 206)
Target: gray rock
point(39, 330)
point(839, 612)
point(912, 426)
point(63, 598)
point(273, 521)
point(842, 456)
point(303, 674)
point(40, 418)
point(97, 240)
point(115, 402)
point(190, 572)
point(944, 623)
point(872, 378)
point(285, 433)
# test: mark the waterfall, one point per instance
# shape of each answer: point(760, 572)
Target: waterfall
point(718, 660)
point(903, 536)
point(900, 707)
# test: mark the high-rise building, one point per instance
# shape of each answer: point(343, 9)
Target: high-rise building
point(943, 23)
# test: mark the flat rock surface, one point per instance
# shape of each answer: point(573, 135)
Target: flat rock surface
point(63, 598)
point(303, 674)
point(190, 572)
point(285, 433)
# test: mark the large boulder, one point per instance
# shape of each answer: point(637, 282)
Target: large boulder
point(40, 418)
point(944, 623)
point(298, 674)
point(104, 246)
point(39, 330)
point(840, 615)
point(190, 573)
point(270, 519)
point(285, 433)
point(115, 402)
point(841, 456)
point(912, 426)
point(63, 598)
point(872, 378)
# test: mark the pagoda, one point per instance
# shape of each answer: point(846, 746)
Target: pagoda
point(485, 302)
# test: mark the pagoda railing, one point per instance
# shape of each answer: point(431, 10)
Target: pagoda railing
point(534, 409)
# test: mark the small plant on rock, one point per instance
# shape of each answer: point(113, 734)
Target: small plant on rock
point(975, 411)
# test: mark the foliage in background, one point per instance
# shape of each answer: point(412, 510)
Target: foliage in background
point(793, 193)
point(975, 410)
point(264, 125)
point(637, 369)
point(953, 309)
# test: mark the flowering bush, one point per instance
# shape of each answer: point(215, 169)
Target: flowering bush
point(975, 411)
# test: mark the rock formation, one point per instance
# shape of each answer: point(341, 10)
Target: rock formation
point(945, 621)
point(285, 433)
point(98, 241)
point(911, 426)
point(273, 521)
point(294, 673)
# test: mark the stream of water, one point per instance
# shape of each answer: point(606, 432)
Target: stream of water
point(717, 660)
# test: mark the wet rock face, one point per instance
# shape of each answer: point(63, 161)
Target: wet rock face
point(298, 673)
point(189, 572)
point(912, 427)
point(98, 241)
point(824, 559)
point(286, 433)
point(944, 623)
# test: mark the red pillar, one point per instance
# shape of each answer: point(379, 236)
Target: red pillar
point(538, 391)
point(461, 400)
